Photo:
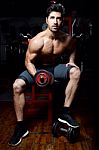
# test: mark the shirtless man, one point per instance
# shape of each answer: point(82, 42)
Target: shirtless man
point(43, 52)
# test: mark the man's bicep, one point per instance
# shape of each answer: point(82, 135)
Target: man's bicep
point(72, 57)
point(30, 56)
point(35, 44)
point(72, 44)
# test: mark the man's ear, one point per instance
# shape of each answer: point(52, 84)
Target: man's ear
point(63, 22)
point(44, 26)
point(46, 20)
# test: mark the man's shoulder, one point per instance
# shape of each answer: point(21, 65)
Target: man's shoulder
point(66, 35)
point(37, 41)
point(38, 36)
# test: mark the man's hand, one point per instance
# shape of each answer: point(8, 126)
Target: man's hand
point(72, 64)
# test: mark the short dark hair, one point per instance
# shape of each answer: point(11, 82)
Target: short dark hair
point(58, 7)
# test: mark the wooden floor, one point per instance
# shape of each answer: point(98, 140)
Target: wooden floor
point(41, 138)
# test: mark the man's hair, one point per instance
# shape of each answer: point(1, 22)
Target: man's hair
point(57, 7)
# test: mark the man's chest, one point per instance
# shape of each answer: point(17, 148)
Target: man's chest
point(53, 49)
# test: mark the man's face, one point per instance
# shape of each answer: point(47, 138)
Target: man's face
point(54, 21)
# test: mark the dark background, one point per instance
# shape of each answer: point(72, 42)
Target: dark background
point(37, 8)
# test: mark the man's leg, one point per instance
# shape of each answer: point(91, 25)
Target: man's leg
point(19, 98)
point(70, 91)
point(72, 85)
point(19, 102)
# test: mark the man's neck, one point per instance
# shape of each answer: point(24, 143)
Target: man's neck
point(53, 35)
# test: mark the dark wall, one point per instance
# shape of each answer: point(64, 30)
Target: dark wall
point(37, 8)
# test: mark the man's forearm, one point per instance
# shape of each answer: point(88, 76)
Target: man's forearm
point(31, 68)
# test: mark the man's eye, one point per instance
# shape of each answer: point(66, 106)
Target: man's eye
point(52, 17)
point(59, 19)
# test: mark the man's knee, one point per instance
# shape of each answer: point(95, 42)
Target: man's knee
point(18, 85)
point(75, 73)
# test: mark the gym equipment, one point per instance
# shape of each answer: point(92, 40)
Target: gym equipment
point(62, 129)
point(41, 96)
point(44, 78)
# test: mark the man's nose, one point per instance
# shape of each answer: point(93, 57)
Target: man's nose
point(55, 21)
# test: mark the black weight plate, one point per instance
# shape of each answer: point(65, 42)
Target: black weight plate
point(56, 129)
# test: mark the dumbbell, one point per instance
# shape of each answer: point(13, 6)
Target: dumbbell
point(62, 129)
point(43, 78)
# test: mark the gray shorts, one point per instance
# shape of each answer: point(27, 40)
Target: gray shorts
point(60, 72)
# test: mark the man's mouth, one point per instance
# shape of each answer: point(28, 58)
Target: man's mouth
point(54, 27)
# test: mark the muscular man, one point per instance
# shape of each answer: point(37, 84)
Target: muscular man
point(43, 52)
